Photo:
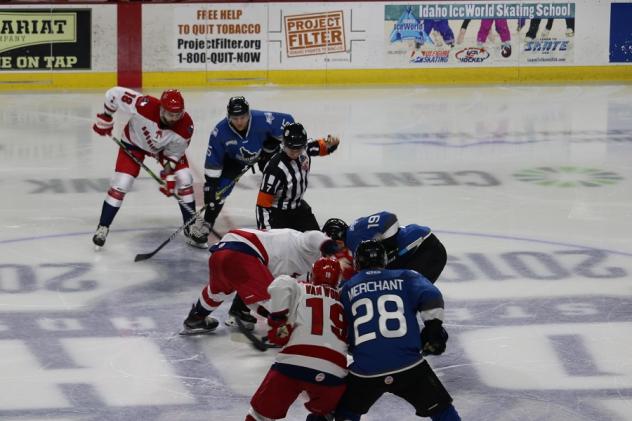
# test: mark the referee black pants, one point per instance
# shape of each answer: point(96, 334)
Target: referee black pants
point(300, 219)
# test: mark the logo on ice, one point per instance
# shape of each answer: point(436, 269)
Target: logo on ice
point(315, 33)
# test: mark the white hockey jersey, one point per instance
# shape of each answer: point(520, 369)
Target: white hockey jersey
point(318, 340)
point(284, 251)
point(144, 128)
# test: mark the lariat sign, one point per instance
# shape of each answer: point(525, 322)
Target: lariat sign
point(45, 39)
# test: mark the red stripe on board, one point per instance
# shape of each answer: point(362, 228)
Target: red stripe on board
point(129, 35)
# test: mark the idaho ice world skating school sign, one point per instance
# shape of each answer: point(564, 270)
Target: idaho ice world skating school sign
point(45, 39)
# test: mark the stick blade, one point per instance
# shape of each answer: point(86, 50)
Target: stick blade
point(256, 342)
point(141, 257)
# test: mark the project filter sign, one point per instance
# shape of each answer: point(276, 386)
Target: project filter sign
point(315, 33)
point(45, 39)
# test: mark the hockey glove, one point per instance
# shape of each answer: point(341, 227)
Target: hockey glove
point(104, 124)
point(433, 337)
point(391, 247)
point(169, 185)
point(210, 190)
point(332, 143)
point(280, 335)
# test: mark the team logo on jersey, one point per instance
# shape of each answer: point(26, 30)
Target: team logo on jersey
point(269, 118)
point(247, 156)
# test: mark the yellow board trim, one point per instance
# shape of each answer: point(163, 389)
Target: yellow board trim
point(419, 76)
point(424, 76)
point(53, 81)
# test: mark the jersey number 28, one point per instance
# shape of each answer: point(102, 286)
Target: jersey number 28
point(383, 316)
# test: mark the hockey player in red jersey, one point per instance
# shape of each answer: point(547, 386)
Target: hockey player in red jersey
point(307, 320)
point(246, 261)
point(160, 128)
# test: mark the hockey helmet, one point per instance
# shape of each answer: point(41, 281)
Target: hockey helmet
point(370, 254)
point(171, 100)
point(237, 106)
point(326, 271)
point(336, 229)
point(294, 136)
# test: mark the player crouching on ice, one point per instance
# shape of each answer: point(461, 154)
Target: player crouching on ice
point(411, 246)
point(313, 358)
point(159, 128)
point(246, 261)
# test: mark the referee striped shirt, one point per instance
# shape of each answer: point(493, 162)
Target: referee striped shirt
point(285, 180)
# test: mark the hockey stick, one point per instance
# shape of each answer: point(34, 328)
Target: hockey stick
point(412, 245)
point(260, 344)
point(194, 215)
point(409, 247)
point(144, 256)
point(153, 175)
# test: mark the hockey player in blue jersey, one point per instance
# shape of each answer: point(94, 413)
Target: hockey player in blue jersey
point(242, 139)
point(385, 339)
point(409, 246)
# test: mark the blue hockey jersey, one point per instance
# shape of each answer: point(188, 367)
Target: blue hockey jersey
point(226, 142)
point(382, 225)
point(380, 308)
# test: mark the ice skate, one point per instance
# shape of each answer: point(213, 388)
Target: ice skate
point(196, 324)
point(196, 235)
point(100, 235)
point(241, 311)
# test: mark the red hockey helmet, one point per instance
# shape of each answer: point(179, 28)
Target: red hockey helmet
point(326, 271)
point(171, 100)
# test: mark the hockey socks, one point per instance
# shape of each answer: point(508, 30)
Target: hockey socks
point(186, 214)
point(108, 212)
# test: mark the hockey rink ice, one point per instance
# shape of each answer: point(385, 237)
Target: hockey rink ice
point(528, 187)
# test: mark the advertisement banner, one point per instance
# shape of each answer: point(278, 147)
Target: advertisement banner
point(223, 37)
point(504, 34)
point(620, 33)
point(34, 39)
point(315, 33)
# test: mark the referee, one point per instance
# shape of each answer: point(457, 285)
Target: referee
point(280, 202)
